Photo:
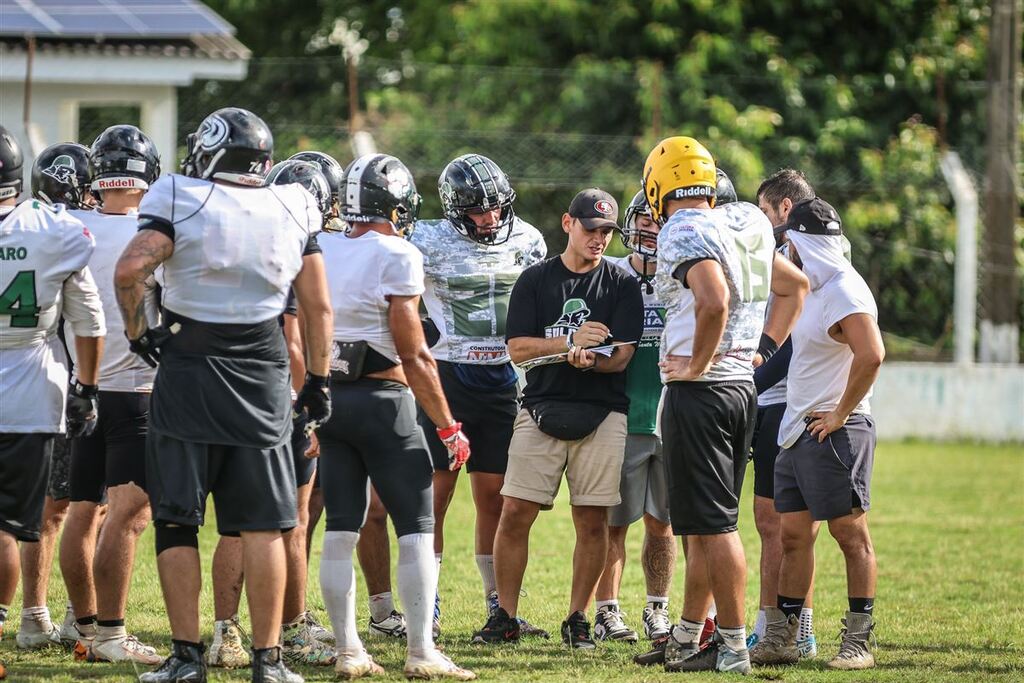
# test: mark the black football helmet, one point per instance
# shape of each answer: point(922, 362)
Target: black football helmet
point(123, 157)
point(306, 174)
point(60, 175)
point(378, 188)
point(632, 235)
point(11, 161)
point(725, 192)
point(473, 183)
point(231, 144)
point(329, 166)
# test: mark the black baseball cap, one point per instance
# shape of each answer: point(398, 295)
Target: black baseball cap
point(813, 216)
point(595, 209)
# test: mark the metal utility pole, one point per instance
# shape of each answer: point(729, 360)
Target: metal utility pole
point(1000, 327)
point(965, 289)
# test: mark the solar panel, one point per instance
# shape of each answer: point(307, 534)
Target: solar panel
point(110, 18)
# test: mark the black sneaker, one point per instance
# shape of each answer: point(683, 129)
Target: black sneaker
point(268, 667)
point(656, 655)
point(185, 665)
point(500, 628)
point(576, 632)
point(705, 659)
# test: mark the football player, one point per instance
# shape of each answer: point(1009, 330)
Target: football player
point(46, 252)
point(220, 414)
point(471, 258)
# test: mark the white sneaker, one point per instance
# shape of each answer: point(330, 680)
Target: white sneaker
point(227, 650)
point(435, 665)
point(392, 626)
point(68, 630)
point(656, 620)
point(34, 635)
point(124, 648)
point(351, 666)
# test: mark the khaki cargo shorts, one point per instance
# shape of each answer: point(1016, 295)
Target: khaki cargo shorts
point(592, 465)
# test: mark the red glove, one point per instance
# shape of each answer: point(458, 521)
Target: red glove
point(456, 443)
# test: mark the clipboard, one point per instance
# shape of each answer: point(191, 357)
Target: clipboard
point(605, 350)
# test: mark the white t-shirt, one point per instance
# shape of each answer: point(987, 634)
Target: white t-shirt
point(739, 237)
point(120, 369)
point(820, 367)
point(236, 249)
point(43, 275)
point(361, 273)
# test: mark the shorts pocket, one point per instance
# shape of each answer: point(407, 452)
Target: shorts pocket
point(842, 449)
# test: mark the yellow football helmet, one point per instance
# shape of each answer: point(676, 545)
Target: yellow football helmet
point(678, 168)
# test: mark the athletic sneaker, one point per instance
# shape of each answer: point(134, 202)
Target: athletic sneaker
point(268, 667)
point(226, 650)
point(126, 648)
point(807, 647)
point(654, 656)
point(391, 626)
point(500, 628)
point(609, 625)
point(436, 626)
point(526, 629)
point(34, 635)
point(753, 639)
point(857, 640)
point(69, 633)
point(185, 664)
point(657, 623)
point(317, 630)
point(778, 645)
point(83, 643)
point(435, 665)
point(351, 666)
point(710, 627)
point(675, 652)
point(298, 646)
point(576, 632)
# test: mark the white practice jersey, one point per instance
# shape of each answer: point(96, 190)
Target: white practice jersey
point(120, 369)
point(468, 285)
point(236, 249)
point(361, 273)
point(44, 252)
point(739, 237)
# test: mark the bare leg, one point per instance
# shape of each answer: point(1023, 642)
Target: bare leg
point(373, 548)
point(767, 521)
point(37, 558)
point(181, 581)
point(798, 533)
point(611, 578)
point(444, 489)
point(265, 576)
point(316, 509)
point(659, 555)
point(77, 550)
point(228, 576)
point(851, 532)
point(127, 518)
point(9, 567)
point(697, 584)
point(588, 559)
point(727, 569)
point(295, 554)
point(512, 549)
point(488, 501)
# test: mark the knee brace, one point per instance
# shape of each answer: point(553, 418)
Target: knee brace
point(175, 536)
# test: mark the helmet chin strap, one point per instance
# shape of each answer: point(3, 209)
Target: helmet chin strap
point(208, 171)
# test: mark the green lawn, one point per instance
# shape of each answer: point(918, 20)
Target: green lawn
point(948, 527)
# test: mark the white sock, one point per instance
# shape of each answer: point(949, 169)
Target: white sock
point(36, 615)
point(658, 599)
point(381, 606)
point(338, 584)
point(485, 563)
point(604, 603)
point(687, 632)
point(110, 632)
point(806, 628)
point(735, 638)
point(713, 612)
point(417, 586)
point(759, 623)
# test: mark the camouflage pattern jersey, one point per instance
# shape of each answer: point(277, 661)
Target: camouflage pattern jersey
point(468, 286)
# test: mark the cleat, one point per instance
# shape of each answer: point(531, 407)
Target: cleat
point(656, 621)
point(392, 626)
point(528, 630)
point(34, 635)
point(126, 648)
point(752, 640)
point(69, 633)
point(654, 656)
point(492, 603)
point(858, 639)
point(185, 665)
point(807, 647)
point(778, 645)
point(576, 632)
point(352, 666)
point(710, 626)
point(609, 625)
point(82, 650)
point(675, 652)
point(500, 628)
point(298, 646)
point(227, 650)
point(435, 665)
point(733, 661)
point(690, 658)
point(268, 667)
point(317, 630)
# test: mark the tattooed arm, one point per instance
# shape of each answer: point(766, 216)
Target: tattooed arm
point(147, 250)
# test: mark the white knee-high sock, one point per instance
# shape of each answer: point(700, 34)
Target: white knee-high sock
point(338, 583)
point(417, 585)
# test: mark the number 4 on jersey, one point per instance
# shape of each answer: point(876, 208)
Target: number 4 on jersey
point(18, 300)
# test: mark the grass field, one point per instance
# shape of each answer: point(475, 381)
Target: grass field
point(948, 526)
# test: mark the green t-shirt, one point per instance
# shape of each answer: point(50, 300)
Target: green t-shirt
point(643, 379)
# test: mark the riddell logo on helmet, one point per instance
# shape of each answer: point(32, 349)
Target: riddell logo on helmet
point(116, 183)
point(693, 191)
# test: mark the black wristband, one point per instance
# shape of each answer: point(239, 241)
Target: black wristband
point(86, 390)
point(317, 381)
point(767, 347)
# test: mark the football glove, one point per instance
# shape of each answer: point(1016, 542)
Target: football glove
point(456, 443)
point(82, 409)
point(314, 400)
point(148, 345)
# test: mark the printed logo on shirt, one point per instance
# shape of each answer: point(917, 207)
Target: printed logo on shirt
point(575, 312)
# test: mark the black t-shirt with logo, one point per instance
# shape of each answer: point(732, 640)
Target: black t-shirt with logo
point(549, 300)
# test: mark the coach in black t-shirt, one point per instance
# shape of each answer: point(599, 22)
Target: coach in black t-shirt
point(573, 417)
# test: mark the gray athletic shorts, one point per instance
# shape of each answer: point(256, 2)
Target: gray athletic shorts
point(644, 484)
point(830, 478)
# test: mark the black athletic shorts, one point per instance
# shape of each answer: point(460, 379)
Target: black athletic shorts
point(115, 453)
point(304, 467)
point(24, 473)
point(59, 486)
point(487, 418)
point(766, 447)
point(830, 478)
point(253, 488)
point(706, 428)
point(373, 435)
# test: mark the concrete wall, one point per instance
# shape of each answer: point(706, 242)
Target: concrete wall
point(948, 401)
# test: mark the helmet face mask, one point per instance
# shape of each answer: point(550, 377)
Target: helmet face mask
point(473, 184)
point(60, 175)
point(378, 188)
point(634, 236)
point(231, 144)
